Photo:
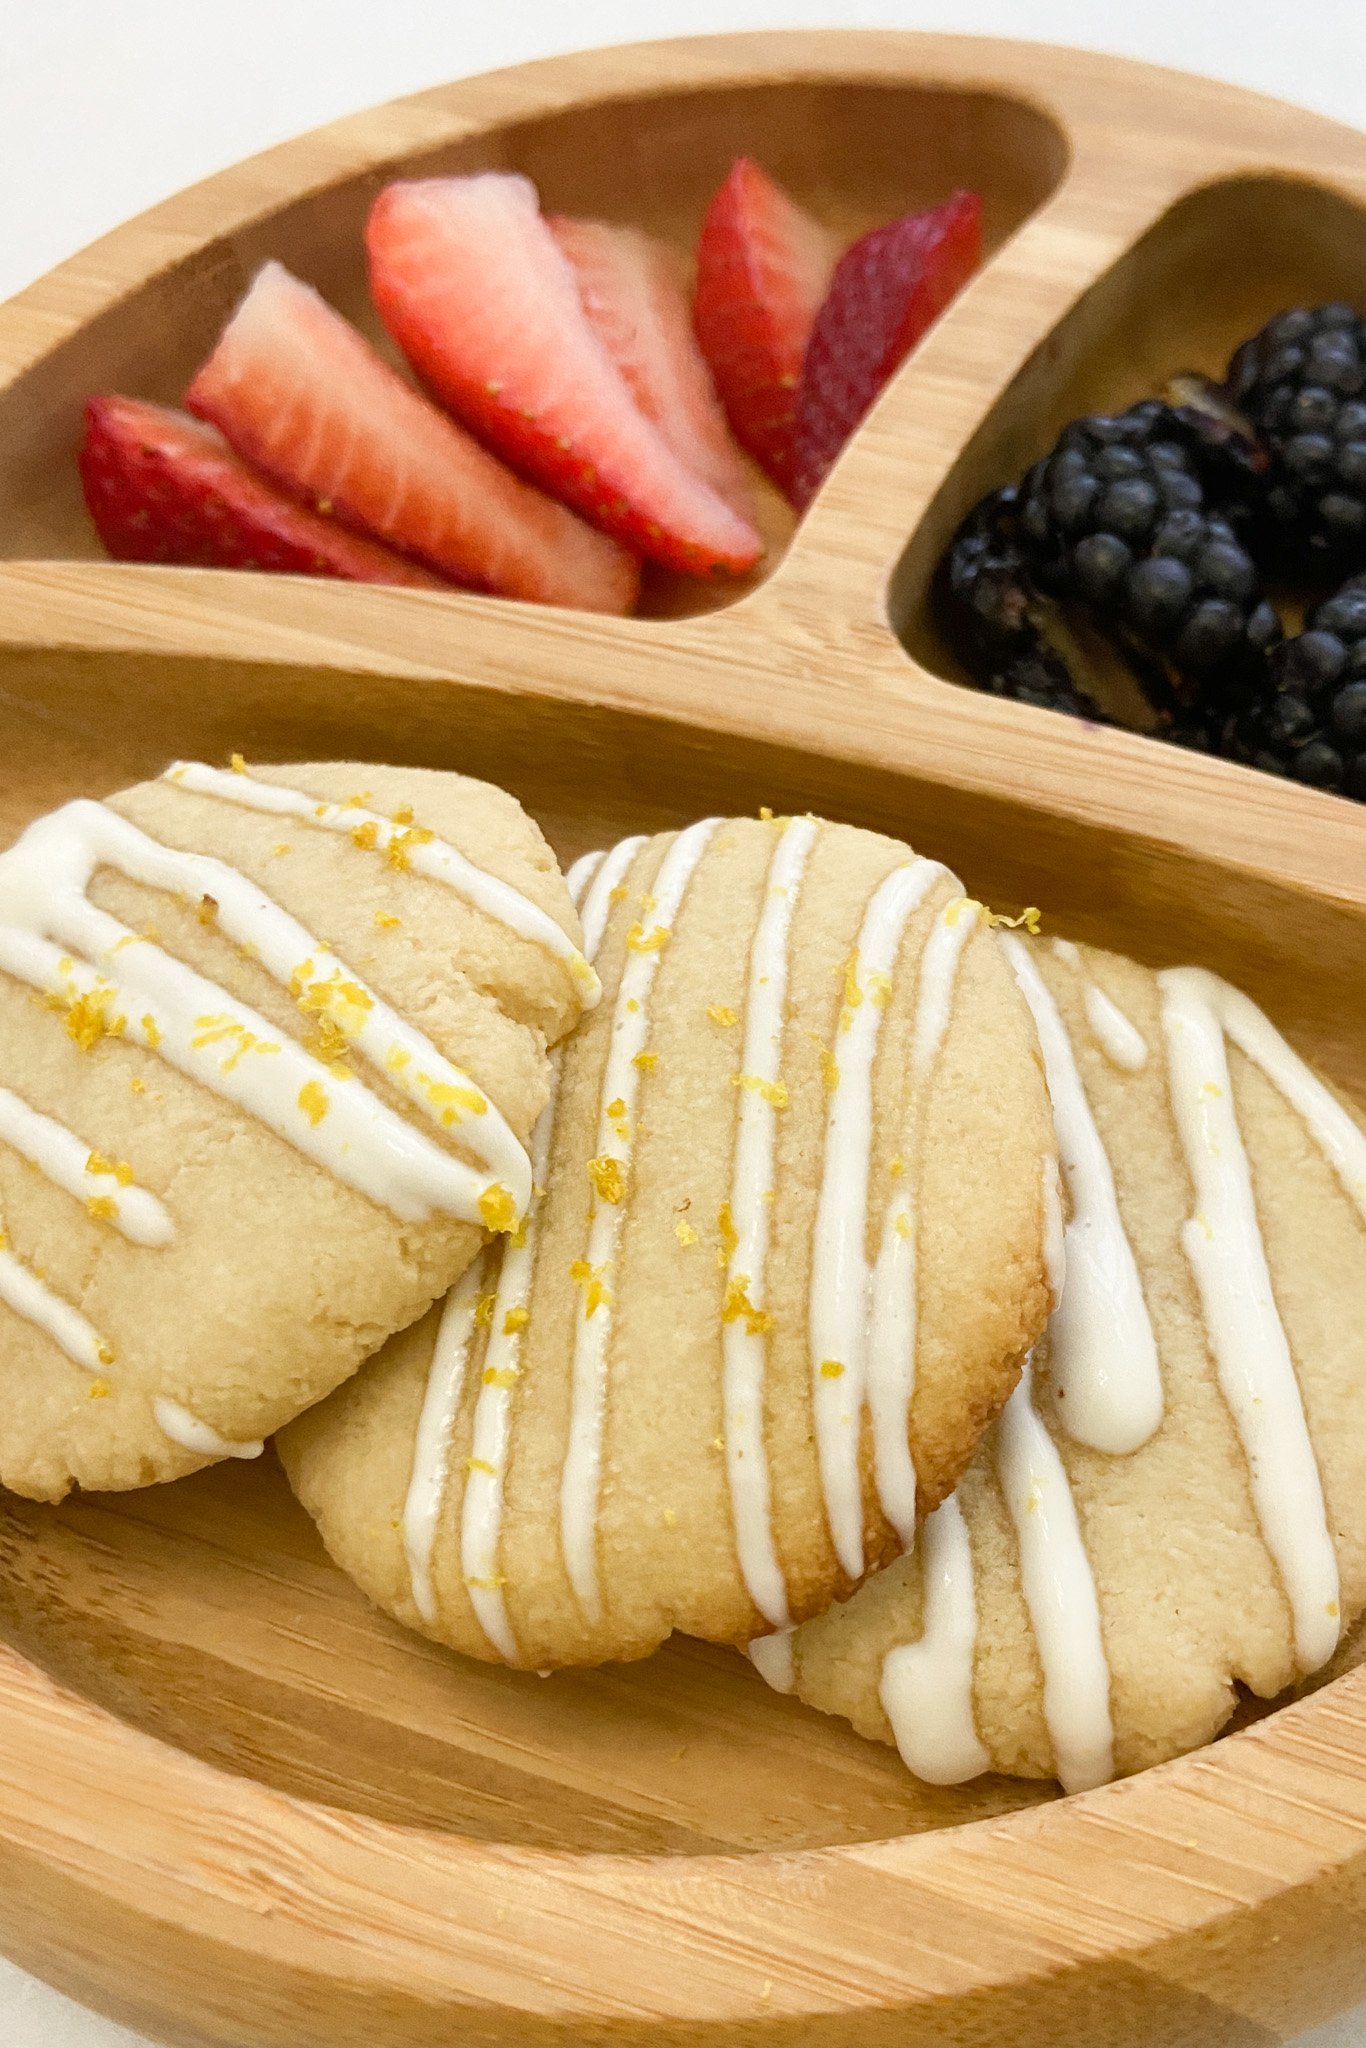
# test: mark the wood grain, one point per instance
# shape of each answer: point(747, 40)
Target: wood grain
point(236, 1806)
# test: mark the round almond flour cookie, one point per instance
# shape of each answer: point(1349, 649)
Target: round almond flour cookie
point(270, 1046)
point(1173, 1503)
point(787, 1261)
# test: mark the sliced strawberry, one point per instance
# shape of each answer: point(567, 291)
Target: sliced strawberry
point(162, 487)
point(300, 393)
point(475, 289)
point(763, 268)
point(886, 291)
point(632, 291)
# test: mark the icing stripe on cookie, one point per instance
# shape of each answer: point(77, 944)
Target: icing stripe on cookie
point(405, 845)
point(1060, 1593)
point(744, 1317)
point(926, 1686)
point(892, 1300)
point(70, 1164)
point(191, 1434)
point(34, 1300)
point(1223, 1242)
point(482, 1508)
point(432, 1448)
point(125, 985)
point(1121, 1041)
point(838, 1313)
point(1103, 1359)
point(580, 1479)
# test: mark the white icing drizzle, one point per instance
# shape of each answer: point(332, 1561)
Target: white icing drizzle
point(926, 1686)
point(434, 858)
point(432, 1448)
point(839, 1298)
point(188, 1431)
point(773, 1659)
point(1106, 1375)
point(580, 1478)
point(482, 1507)
point(329, 1116)
point(745, 1349)
point(29, 1297)
point(65, 1160)
point(1223, 1242)
point(891, 1337)
point(1059, 1592)
point(1118, 1038)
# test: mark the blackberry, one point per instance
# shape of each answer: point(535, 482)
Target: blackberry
point(1311, 725)
point(1119, 520)
point(996, 617)
point(1302, 383)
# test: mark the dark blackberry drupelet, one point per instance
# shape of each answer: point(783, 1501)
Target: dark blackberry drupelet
point(1312, 724)
point(1118, 520)
point(994, 614)
point(1302, 383)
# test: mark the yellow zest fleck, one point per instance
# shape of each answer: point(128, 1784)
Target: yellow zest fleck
point(329, 1043)
point(830, 1070)
point(596, 1293)
point(853, 994)
point(397, 851)
point(396, 1059)
point(386, 921)
point(831, 1369)
point(206, 910)
point(4, 1242)
point(483, 1311)
point(619, 894)
point(403, 815)
point(480, 1465)
point(649, 903)
point(487, 1585)
point(281, 847)
point(1331, 1609)
point(774, 1092)
point(633, 1004)
point(450, 1098)
point(685, 1233)
point(722, 1013)
point(896, 1166)
point(1030, 919)
point(237, 764)
point(516, 1319)
point(730, 1236)
point(102, 1207)
point(321, 810)
point(88, 1017)
point(358, 801)
point(98, 1390)
point(766, 814)
point(879, 988)
point(1211, 1088)
point(615, 1113)
point(365, 836)
point(138, 1085)
point(119, 1168)
point(608, 1176)
point(737, 1304)
point(151, 1031)
point(902, 1226)
point(224, 1029)
point(670, 1518)
point(313, 1102)
point(105, 1354)
point(645, 1060)
point(497, 1208)
point(639, 941)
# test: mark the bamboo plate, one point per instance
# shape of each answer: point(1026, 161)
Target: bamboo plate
point(236, 1806)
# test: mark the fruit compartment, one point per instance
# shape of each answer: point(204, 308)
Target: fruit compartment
point(856, 154)
point(1205, 276)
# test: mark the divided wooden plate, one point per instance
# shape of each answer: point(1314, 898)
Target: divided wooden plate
point(237, 1807)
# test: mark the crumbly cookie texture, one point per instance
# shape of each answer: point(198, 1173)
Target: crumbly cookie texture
point(1203, 1576)
point(273, 1273)
point(663, 1415)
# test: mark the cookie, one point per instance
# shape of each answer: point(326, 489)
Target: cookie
point(1173, 1504)
point(270, 1046)
point(787, 1261)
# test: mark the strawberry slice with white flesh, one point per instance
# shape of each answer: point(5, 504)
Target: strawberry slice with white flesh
point(301, 394)
point(476, 291)
point(162, 487)
point(632, 290)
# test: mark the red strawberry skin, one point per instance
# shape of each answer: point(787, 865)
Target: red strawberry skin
point(763, 268)
point(887, 289)
point(473, 286)
point(631, 289)
point(162, 487)
point(301, 394)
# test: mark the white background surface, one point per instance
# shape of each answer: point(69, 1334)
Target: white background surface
point(109, 105)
